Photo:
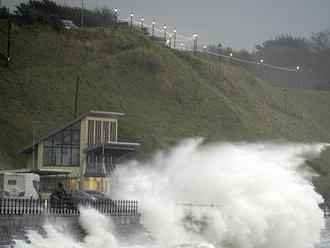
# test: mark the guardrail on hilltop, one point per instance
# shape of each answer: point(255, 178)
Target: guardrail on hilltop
point(70, 207)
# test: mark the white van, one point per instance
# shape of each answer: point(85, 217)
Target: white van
point(19, 185)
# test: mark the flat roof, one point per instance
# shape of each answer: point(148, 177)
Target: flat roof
point(120, 147)
point(92, 113)
point(41, 172)
point(114, 145)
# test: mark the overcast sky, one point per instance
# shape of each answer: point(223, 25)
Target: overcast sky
point(235, 23)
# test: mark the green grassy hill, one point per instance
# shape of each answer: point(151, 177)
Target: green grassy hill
point(166, 95)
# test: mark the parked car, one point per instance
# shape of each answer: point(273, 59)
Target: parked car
point(68, 24)
point(79, 195)
point(19, 185)
point(71, 200)
point(98, 195)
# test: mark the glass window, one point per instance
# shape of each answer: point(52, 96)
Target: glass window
point(57, 139)
point(75, 138)
point(48, 142)
point(76, 126)
point(57, 156)
point(12, 182)
point(98, 132)
point(105, 131)
point(75, 156)
point(36, 185)
point(67, 137)
point(66, 156)
point(63, 148)
point(113, 131)
point(90, 133)
point(48, 159)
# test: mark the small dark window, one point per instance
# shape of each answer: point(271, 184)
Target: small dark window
point(113, 131)
point(12, 182)
point(36, 185)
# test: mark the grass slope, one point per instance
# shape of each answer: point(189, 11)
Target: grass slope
point(166, 95)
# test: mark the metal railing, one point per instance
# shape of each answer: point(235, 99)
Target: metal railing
point(70, 207)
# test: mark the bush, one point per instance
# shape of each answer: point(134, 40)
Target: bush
point(46, 12)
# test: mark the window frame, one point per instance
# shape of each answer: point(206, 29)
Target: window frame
point(59, 148)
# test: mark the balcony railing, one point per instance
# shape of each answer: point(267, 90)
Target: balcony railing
point(69, 207)
point(97, 169)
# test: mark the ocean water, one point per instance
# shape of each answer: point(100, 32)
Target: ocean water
point(224, 195)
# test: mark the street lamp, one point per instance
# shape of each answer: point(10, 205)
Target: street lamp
point(231, 54)
point(142, 20)
point(262, 68)
point(181, 45)
point(131, 15)
point(82, 14)
point(195, 42)
point(116, 10)
point(165, 27)
point(174, 38)
point(204, 48)
point(298, 76)
point(170, 40)
point(153, 29)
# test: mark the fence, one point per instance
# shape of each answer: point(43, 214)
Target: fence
point(34, 207)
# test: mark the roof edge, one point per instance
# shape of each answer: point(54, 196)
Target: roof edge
point(92, 113)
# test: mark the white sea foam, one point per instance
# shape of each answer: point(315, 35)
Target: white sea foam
point(97, 227)
point(262, 197)
point(262, 192)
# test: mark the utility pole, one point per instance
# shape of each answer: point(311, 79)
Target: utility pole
point(82, 14)
point(76, 100)
point(285, 92)
point(33, 141)
point(8, 38)
point(33, 135)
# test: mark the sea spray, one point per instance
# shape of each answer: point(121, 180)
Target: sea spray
point(262, 194)
point(98, 229)
point(241, 195)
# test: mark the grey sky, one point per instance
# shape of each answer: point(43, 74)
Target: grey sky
point(236, 23)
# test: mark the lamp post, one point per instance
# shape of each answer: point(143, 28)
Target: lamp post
point(195, 42)
point(116, 11)
point(153, 29)
point(262, 68)
point(142, 20)
point(204, 49)
point(82, 14)
point(131, 15)
point(298, 76)
point(8, 39)
point(174, 44)
point(165, 27)
point(170, 40)
point(181, 46)
point(231, 54)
